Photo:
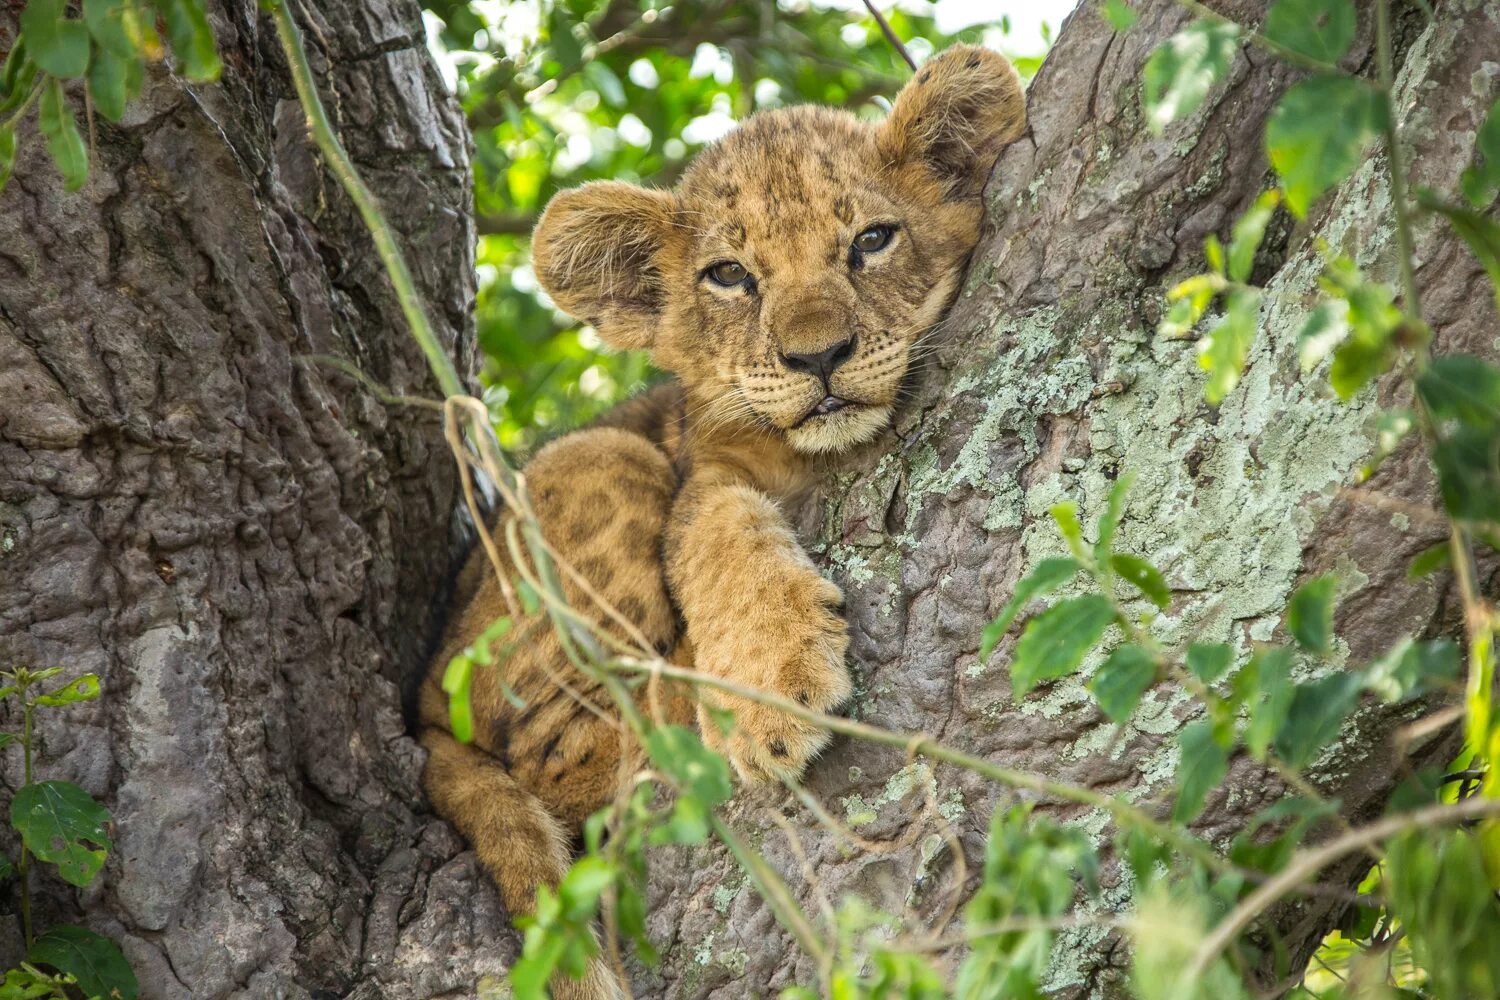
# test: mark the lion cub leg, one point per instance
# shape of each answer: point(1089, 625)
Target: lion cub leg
point(758, 613)
point(541, 761)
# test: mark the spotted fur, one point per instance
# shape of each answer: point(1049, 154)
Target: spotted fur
point(673, 506)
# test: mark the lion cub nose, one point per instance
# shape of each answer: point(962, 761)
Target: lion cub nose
point(822, 363)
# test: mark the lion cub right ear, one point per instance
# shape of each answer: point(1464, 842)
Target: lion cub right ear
point(598, 252)
point(953, 119)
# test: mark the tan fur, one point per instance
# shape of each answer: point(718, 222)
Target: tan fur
point(673, 506)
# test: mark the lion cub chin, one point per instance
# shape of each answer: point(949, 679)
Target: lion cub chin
point(784, 283)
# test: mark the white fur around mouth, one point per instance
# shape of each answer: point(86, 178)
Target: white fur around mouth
point(840, 428)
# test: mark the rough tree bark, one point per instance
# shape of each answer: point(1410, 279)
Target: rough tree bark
point(242, 546)
point(1050, 384)
point(245, 548)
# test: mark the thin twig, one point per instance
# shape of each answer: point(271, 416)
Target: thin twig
point(379, 391)
point(890, 35)
point(1302, 867)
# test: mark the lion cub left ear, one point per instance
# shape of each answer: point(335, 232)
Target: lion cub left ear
point(962, 108)
point(600, 251)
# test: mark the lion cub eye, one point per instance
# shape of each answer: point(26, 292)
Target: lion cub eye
point(728, 273)
point(873, 239)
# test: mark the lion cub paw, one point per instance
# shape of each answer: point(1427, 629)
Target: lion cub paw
point(795, 650)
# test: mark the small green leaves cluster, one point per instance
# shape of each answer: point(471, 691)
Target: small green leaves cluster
point(105, 51)
point(1263, 708)
point(559, 935)
point(63, 826)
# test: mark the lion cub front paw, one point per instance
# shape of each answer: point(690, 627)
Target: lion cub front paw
point(794, 649)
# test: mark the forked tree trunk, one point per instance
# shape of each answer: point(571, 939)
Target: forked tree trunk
point(1050, 383)
point(245, 548)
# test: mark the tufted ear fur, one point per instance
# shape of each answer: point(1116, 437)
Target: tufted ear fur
point(598, 253)
point(954, 117)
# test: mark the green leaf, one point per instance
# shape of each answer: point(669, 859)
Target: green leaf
point(1429, 560)
point(1412, 668)
point(58, 45)
point(1213, 253)
point(6, 868)
point(95, 961)
point(1318, 134)
point(1047, 576)
point(1121, 681)
point(583, 885)
point(192, 39)
point(7, 154)
point(1182, 71)
point(1144, 575)
point(1322, 30)
point(1248, 232)
point(1323, 330)
point(1119, 14)
point(1222, 352)
point(58, 821)
point(63, 141)
point(1391, 428)
point(1065, 514)
point(1463, 394)
point(1367, 346)
point(1264, 687)
point(1203, 765)
point(85, 688)
point(1190, 300)
point(1114, 509)
point(114, 25)
point(1056, 640)
point(1479, 233)
point(1315, 716)
point(1309, 615)
point(458, 681)
point(113, 80)
point(1481, 182)
point(1209, 660)
point(696, 770)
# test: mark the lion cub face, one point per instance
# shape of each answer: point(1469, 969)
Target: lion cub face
point(788, 277)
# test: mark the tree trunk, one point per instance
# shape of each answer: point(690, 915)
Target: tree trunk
point(243, 546)
point(1050, 383)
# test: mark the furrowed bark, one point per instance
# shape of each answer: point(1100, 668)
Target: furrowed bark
point(244, 546)
point(1050, 383)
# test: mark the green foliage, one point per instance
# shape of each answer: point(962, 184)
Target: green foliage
point(61, 824)
point(1120, 15)
point(1223, 351)
point(1318, 134)
point(1481, 182)
point(1047, 576)
point(1321, 30)
point(1182, 71)
point(1121, 681)
point(1309, 614)
point(94, 962)
point(1205, 760)
point(109, 46)
point(1033, 869)
point(1441, 892)
point(458, 677)
point(1463, 395)
point(1055, 641)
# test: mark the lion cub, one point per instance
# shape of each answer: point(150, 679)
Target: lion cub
point(784, 283)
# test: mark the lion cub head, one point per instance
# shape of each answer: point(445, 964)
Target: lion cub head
point(787, 278)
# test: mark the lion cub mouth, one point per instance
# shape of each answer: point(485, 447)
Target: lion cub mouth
point(826, 405)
